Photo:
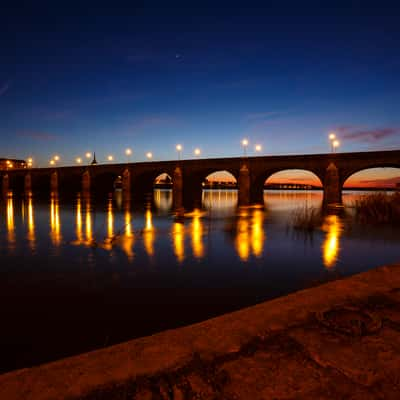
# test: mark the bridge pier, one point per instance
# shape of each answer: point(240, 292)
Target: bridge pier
point(126, 185)
point(28, 183)
point(332, 186)
point(5, 185)
point(257, 193)
point(86, 183)
point(54, 182)
point(244, 186)
point(177, 190)
point(191, 192)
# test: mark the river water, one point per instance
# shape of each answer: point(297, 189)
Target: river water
point(79, 276)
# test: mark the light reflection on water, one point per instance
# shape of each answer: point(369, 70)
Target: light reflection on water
point(251, 224)
point(169, 272)
point(149, 233)
point(331, 246)
point(10, 223)
point(31, 225)
point(55, 225)
point(197, 235)
point(128, 239)
point(178, 240)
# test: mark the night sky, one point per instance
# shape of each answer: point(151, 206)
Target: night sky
point(148, 77)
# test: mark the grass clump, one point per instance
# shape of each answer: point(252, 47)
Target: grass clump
point(378, 208)
point(306, 218)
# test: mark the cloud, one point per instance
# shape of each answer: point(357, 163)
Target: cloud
point(40, 136)
point(4, 88)
point(366, 135)
point(294, 180)
point(385, 181)
point(380, 182)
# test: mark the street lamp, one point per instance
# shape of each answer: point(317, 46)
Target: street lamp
point(30, 162)
point(245, 143)
point(88, 155)
point(110, 158)
point(332, 138)
point(56, 158)
point(149, 155)
point(335, 145)
point(128, 153)
point(179, 150)
point(197, 152)
point(52, 162)
point(79, 160)
point(258, 148)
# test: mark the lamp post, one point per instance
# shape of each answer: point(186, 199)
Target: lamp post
point(179, 150)
point(332, 138)
point(197, 152)
point(245, 143)
point(258, 148)
point(128, 153)
point(335, 145)
point(78, 160)
point(110, 158)
point(30, 162)
point(149, 155)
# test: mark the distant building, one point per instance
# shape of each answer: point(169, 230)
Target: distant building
point(8, 163)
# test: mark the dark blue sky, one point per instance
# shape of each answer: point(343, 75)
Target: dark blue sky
point(74, 80)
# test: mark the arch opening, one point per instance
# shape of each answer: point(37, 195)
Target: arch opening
point(293, 179)
point(369, 181)
point(220, 191)
point(162, 192)
point(380, 178)
point(293, 188)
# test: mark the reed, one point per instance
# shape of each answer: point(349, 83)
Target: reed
point(306, 218)
point(378, 208)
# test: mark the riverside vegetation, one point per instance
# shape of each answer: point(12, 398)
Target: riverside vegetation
point(378, 208)
point(375, 208)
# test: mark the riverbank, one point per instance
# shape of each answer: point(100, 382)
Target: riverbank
point(337, 340)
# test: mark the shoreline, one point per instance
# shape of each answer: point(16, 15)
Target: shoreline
point(180, 360)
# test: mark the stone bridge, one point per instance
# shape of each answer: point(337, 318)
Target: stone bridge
point(188, 175)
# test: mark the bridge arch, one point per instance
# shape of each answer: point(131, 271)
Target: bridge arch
point(193, 180)
point(295, 178)
point(222, 178)
point(349, 173)
point(162, 192)
point(144, 184)
point(387, 177)
point(220, 190)
point(307, 178)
